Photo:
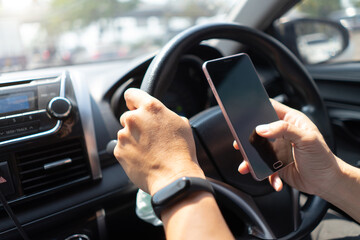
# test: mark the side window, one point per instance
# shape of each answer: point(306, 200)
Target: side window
point(323, 31)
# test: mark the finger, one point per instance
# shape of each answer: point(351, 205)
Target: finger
point(136, 98)
point(294, 114)
point(243, 168)
point(281, 109)
point(236, 146)
point(121, 136)
point(185, 120)
point(276, 182)
point(280, 129)
point(129, 118)
point(123, 118)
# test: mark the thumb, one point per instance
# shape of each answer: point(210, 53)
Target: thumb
point(280, 129)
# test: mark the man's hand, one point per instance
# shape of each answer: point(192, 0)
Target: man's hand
point(315, 167)
point(156, 146)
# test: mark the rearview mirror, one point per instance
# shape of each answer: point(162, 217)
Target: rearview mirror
point(314, 40)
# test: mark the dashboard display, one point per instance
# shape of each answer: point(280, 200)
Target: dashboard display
point(16, 102)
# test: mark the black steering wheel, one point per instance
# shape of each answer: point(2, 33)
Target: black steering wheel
point(298, 84)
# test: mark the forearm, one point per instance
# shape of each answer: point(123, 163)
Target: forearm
point(196, 217)
point(345, 194)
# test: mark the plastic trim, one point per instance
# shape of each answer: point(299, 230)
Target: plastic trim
point(82, 95)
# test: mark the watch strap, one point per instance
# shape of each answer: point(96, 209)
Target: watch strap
point(177, 191)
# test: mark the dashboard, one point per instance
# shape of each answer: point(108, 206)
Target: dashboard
point(54, 146)
point(52, 161)
point(55, 126)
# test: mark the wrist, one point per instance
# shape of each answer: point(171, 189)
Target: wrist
point(186, 204)
point(162, 180)
point(345, 193)
point(196, 217)
point(336, 180)
point(178, 191)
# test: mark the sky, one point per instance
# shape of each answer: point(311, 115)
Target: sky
point(15, 5)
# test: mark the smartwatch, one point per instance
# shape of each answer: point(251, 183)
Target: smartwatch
point(178, 190)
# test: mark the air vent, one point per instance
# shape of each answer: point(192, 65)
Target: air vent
point(52, 166)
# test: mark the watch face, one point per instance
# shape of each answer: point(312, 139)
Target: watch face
point(171, 191)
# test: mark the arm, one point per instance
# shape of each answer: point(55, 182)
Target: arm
point(156, 147)
point(195, 218)
point(316, 169)
point(346, 193)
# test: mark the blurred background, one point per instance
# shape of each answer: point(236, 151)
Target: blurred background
point(44, 33)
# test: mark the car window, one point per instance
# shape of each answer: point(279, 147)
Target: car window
point(314, 45)
point(45, 33)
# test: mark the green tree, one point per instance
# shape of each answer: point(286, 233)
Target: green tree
point(192, 9)
point(199, 8)
point(319, 8)
point(356, 3)
point(69, 14)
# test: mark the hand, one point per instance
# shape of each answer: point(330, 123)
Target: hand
point(156, 146)
point(315, 166)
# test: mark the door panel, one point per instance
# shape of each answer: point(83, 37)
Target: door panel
point(339, 85)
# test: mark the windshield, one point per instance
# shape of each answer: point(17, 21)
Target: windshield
point(45, 33)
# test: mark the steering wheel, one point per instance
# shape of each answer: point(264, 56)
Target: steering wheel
point(298, 85)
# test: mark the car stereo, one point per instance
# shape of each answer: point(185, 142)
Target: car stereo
point(32, 108)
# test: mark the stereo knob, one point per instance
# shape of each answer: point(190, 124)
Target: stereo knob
point(59, 107)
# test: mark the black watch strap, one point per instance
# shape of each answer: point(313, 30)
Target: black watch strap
point(178, 190)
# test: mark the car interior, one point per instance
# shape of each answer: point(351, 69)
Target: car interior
point(59, 113)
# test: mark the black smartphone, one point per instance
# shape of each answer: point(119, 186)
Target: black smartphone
point(245, 105)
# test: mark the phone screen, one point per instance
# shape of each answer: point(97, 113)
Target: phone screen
point(245, 105)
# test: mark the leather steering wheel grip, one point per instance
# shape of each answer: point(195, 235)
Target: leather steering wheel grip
point(158, 78)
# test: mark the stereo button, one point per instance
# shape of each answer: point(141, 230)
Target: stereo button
point(46, 93)
point(59, 107)
point(30, 117)
point(12, 120)
point(19, 129)
point(20, 119)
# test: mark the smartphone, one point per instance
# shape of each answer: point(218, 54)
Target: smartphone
point(245, 105)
